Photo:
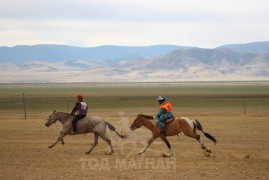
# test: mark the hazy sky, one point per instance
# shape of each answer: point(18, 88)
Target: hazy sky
point(87, 23)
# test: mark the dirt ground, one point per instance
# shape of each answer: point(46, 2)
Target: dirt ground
point(242, 151)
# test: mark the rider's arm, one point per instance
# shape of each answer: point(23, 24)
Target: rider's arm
point(76, 108)
point(162, 111)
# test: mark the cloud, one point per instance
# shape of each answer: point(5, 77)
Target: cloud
point(90, 22)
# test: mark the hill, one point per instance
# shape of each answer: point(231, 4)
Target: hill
point(249, 47)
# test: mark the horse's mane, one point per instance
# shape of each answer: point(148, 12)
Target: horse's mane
point(146, 116)
point(64, 113)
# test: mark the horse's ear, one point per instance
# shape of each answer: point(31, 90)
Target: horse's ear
point(54, 111)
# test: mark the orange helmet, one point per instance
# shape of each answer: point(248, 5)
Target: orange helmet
point(79, 97)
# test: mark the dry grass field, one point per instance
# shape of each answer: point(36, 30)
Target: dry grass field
point(242, 151)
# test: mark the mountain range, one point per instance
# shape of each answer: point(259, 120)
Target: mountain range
point(61, 63)
point(107, 54)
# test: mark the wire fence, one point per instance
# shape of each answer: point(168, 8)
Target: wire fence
point(26, 104)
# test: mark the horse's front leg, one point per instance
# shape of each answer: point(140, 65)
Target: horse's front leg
point(60, 138)
point(147, 145)
point(169, 147)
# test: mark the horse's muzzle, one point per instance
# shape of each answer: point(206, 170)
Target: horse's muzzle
point(47, 124)
point(132, 128)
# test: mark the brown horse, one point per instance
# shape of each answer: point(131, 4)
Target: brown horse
point(91, 124)
point(185, 125)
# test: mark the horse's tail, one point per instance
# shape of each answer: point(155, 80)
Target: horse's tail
point(199, 127)
point(112, 128)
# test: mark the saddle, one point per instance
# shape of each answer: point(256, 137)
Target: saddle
point(169, 120)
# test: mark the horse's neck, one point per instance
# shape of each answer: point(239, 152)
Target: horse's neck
point(149, 125)
point(63, 117)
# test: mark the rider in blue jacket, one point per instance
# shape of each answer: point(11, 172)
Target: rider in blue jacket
point(164, 112)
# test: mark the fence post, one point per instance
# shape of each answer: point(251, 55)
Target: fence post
point(24, 106)
point(245, 108)
point(67, 107)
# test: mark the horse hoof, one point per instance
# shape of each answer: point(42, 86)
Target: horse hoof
point(87, 152)
point(50, 147)
point(208, 150)
point(111, 153)
point(207, 154)
point(167, 155)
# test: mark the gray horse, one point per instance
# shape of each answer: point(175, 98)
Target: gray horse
point(90, 124)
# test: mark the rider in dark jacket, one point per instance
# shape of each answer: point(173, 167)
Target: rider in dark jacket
point(80, 110)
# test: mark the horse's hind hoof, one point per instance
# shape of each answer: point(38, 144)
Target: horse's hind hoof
point(207, 154)
point(208, 150)
point(111, 153)
point(50, 147)
point(87, 152)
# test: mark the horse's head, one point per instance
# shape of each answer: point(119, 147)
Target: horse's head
point(139, 121)
point(52, 119)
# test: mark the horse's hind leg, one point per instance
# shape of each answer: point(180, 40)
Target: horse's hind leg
point(206, 149)
point(106, 139)
point(94, 143)
point(192, 133)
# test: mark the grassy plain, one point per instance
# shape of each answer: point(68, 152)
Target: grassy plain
point(241, 152)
